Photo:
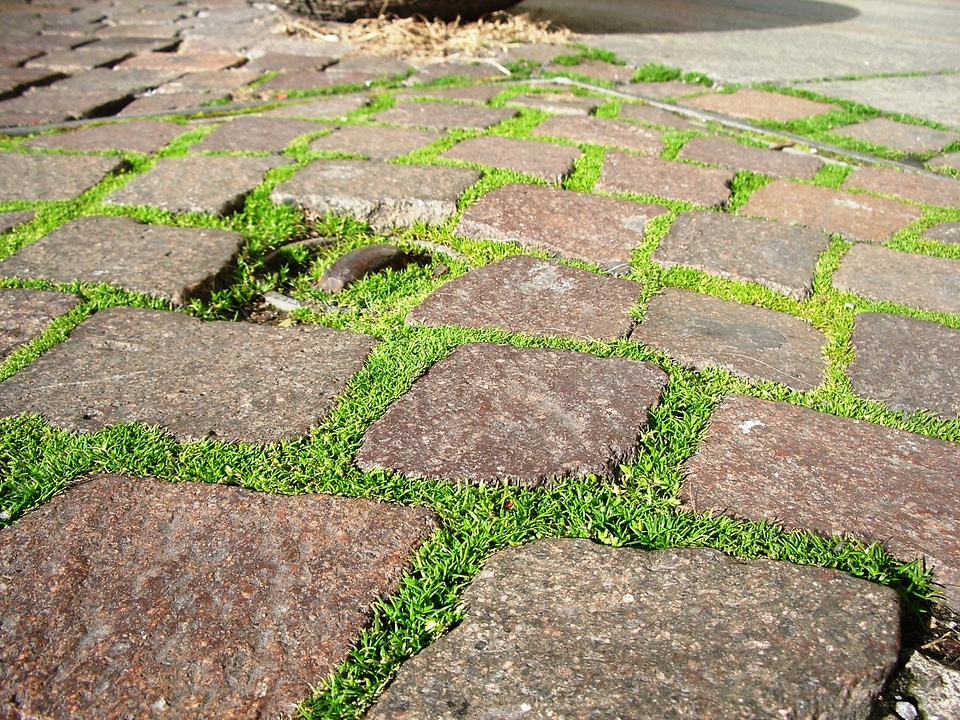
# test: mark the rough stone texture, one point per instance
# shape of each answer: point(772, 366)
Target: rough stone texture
point(51, 177)
point(673, 180)
point(183, 63)
point(161, 103)
point(856, 217)
point(735, 156)
point(24, 314)
point(543, 160)
point(948, 232)
point(212, 82)
point(749, 341)
point(381, 194)
point(176, 264)
point(878, 273)
point(377, 65)
point(190, 599)
point(217, 185)
point(911, 186)
point(578, 225)
point(909, 138)
point(83, 58)
point(442, 116)
point(834, 476)
point(525, 294)
point(46, 105)
point(595, 69)
point(759, 104)
point(950, 160)
point(273, 61)
point(472, 71)
point(779, 256)
point(375, 143)
point(335, 107)
point(15, 80)
point(665, 89)
point(145, 136)
point(161, 368)
point(568, 628)
point(557, 103)
point(469, 93)
point(598, 131)
point(655, 116)
point(492, 413)
point(256, 134)
point(907, 363)
point(935, 687)
point(10, 220)
point(312, 79)
point(121, 82)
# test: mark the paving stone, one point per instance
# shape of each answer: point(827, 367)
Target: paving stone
point(673, 180)
point(312, 79)
point(557, 103)
point(26, 176)
point(568, 628)
point(25, 314)
point(210, 82)
point(146, 136)
point(749, 341)
point(126, 365)
point(46, 105)
point(525, 294)
point(831, 475)
point(15, 80)
point(176, 264)
point(183, 63)
point(328, 108)
point(655, 116)
point(534, 52)
point(122, 82)
point(378, 65)
point(375, 143)
point(856, 217)
point(879, 273)
point(734, 156)
point(132, 43)
point(12, 57)
point(540, 159)
point(935, 687)
point(134, 608)
point(472, 71)
point(779, 256)
point(948, 232)
point(578, 225)
point(161, 103)
point(144, 29)
point(599, 131)
point(909, 138)
point(907, 363)
point(442, 116)
point(381, 194)
point(759, 104)
point(271, 62)
point(217, 185)
point(10, 220)
point(492, 413)
point(596, 70)
point(910, 186)
point(950, 160)
point(83, 58)
point(470, 93)
point(665, 89)
point(256, 134)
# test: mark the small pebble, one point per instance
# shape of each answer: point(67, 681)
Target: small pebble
point(906, 711)
point(281, 301)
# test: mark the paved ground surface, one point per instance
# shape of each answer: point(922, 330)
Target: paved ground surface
point(596, 324)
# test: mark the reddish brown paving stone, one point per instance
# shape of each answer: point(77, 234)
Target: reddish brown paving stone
point(655, 116)
point(163, 102)
point(470, 93)
point(46, 105)
point(540, 159)
point(16, 80)
point(557, 103)
point(856, 216)
point(375, 143)
point(120, 81)
point(253, 133)
point(184, 63)
point(10, 220)
point(950, 160)
point(25, 314)
point(807, 470)
point(599, 131)
point(442, 116)
point(209, 82)
point(749, 341)
point(146, 136)
point(735, 156)
point(578, 225)
point(492, 413)
point(665, 89)
point(272, 61)
point(52, 177)
point(134, 607)
point(879, 273)
point(130, 365)
point(328, 108)
point(673, 180)
point(378, 65)
point(948, 232)
point(594, 69)
point(83, 58)
point(472, 71)
point(313, 79)
point(528, 295)
point(759, 104)
point(909, 138)
point(910, 186)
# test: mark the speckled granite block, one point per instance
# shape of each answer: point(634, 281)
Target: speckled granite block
point(25, 314)
point(52, 177)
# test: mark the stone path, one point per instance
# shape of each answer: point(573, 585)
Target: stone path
point(637, 315)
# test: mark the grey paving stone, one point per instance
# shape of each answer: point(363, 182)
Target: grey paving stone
point(375, 143)
point(831, 475)
point(779, 256)
point(26, 176)
point(578, 225)
point(673, 180)
point(599, 131)
point(655, 116)
point(272, 61)
point(749, 341)
point(948, 232)
point(856, 217)
point(442, 116)
point(469, 93)
point(540, 159)
point(568, 628)
point(176, 264)
point(47, 105)
point(879, 273)
point(145, 136)
point(759, 104)
point(134, 608)
point(25, 314)
point(160, 103)
point(10, 220)
point(381, 194)
point(910, 186)
point(183, 62)
point(378, 65)
point(950, 160)
point(492, 413)
point(121, 82)
point(313, 79)
point(735, 156)
point(909, 138)
point(472, 71)
point(211, 82)
point(126, 365)
point(525, 294)
point(16, 79)
point(935, 687)
point(328, 108)
point(252, 133)
point(594, 69)
point(83, 58)
point(557, 103)
point(217, 185)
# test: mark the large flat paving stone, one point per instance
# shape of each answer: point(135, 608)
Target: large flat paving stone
point(125, 365)
point(735, 156)
point(254, 134)
point(197, 183)
point(907, 363)
point(25, 314)
point(543, 160)
point(443, 116)
point(856, 217)
point(52, 177)
point(910, 186)
point(600, 131)
point(749, 341)
point(375, 143)
point(557, 103)
point(578, 225)
point(492, 413)
point(173, 263)
point(383, 195)
point(168, 102)
point(807, 470)
point(672, 180)
point(565, 628)
point(915, 139)
point(182, 62)
point(15, 218)
point(759, 104)
point(779, 256)
point(143, 136)
point(650, 115)
point(469, 93)
point(134, 597)
point(525, 294)
point(315, 80)
point(327, 108)
point(879, 273)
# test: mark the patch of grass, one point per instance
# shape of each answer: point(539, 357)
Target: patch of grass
point(655, 72)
